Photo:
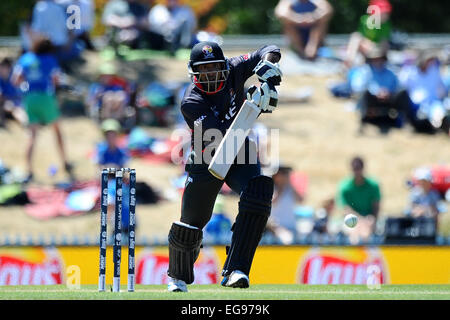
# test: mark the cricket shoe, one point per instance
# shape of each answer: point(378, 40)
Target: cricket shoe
point(237, 279)
point(176, 285)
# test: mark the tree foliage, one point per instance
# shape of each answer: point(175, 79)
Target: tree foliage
point(257, 16)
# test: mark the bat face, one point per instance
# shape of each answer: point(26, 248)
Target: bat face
point(233, 140)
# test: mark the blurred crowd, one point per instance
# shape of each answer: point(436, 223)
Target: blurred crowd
point(53, 41)
point(359, 194)
point(392, 94)
point(413, 92)
point(68, 24)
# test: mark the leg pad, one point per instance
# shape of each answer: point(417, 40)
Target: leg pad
point(254, 210)
point(184, 248)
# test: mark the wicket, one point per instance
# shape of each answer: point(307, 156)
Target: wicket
point(117, 249)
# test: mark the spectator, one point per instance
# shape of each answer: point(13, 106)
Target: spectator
point(369, 35)
point(50, 20)
point(127, 24)
point(381, 101)
point(305, 23)
point(10, 100)
point(282, 221)
point(37, 72)
point(112, 97)
point(424, 200)
point(360, 195)
point(87, 19)
point(109, 154)
point(427, 91)
point(176, 23)
point(322, 216)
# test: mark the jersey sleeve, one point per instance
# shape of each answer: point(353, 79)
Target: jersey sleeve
point(244, 64)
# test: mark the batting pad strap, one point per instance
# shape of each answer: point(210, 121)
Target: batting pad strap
point(184, 248)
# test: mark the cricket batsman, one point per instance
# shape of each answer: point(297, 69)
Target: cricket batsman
point(212, 101)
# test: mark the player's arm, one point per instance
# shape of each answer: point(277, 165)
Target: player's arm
point(248, 64)
point(269, 74)
point(17, 76)
point(245, 64)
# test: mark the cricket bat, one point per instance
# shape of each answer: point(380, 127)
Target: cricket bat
point(233, 140)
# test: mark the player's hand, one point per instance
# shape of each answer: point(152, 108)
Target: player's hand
point(259, 96)
point(268, 72)
point(265, 97)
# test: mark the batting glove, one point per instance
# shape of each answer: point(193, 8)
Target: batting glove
point(265, 97)
point(268, 72)
point(273, 94)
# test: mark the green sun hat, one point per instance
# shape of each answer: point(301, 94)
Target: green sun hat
point(110, 125)
point(107, 69)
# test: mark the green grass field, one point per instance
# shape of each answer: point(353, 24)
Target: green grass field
point(216, 292)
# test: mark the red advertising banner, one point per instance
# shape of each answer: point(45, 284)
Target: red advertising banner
point(284, 264)
point(343, 267)
point(37, 267)
point(152, 266)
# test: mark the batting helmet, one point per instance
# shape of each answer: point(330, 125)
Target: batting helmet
point(209, 80)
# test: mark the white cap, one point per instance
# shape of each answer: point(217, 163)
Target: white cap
point(423, 174)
